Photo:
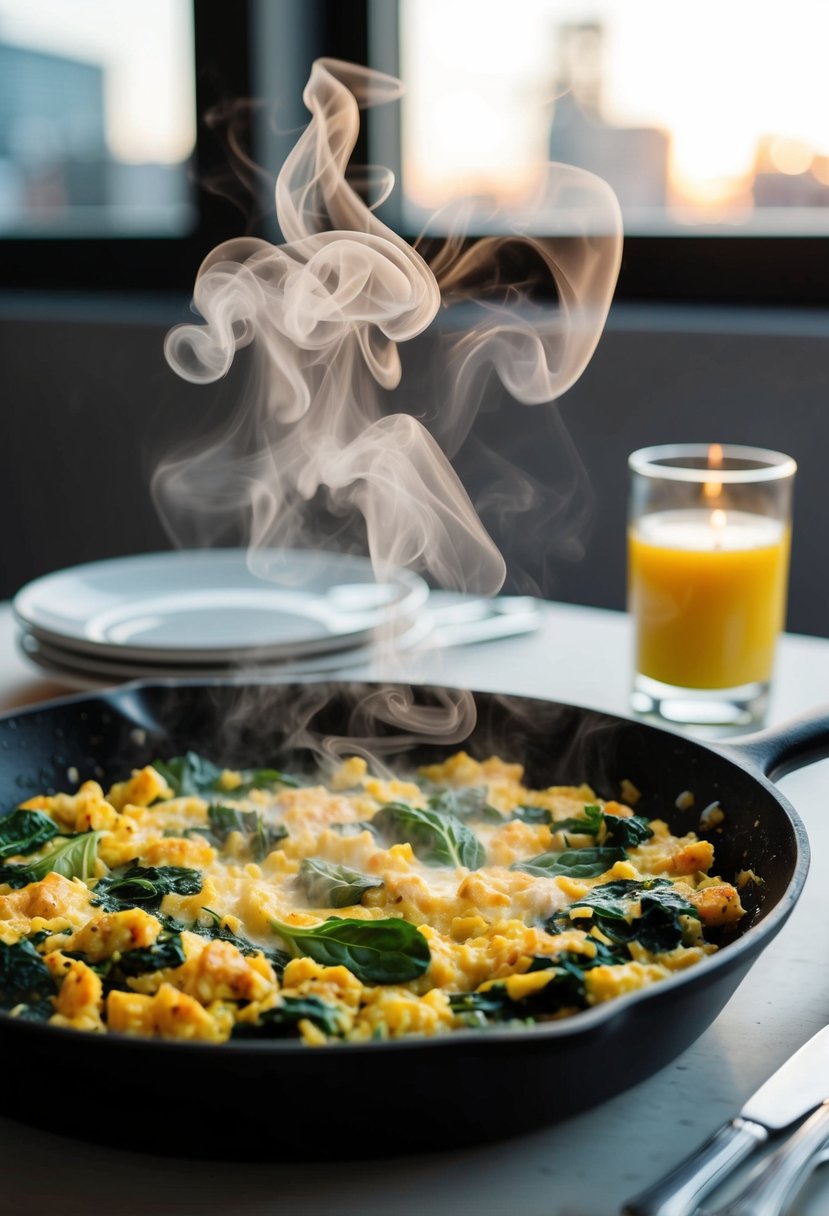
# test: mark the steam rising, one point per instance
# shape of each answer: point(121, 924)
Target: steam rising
point(324, 314)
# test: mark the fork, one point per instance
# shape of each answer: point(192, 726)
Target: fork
point(482, 620)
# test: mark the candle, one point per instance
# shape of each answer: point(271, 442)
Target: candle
point(708, 557)
point(707, 592)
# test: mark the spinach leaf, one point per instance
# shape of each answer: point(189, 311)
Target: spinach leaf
point(438, 838)
point(167, 951)
point(375, 951)
point(24, 831)
point(491, 1003)
point(282, 1019)
point(586, 825)
point(216, 930)
point(657, 926)
point(261, 837)
point(565, 990)
point(613, 900)
point(627, 831)
point(621, 830)
point(226, 819)
point(576, 863)
point(590, 825)
point(24, 977)
point(75, 858)
point(605, 956)
point(266, 837)
point(332, 886)
point(264, 778)
point(145, 886)
point(465, 803)
point(191, 775)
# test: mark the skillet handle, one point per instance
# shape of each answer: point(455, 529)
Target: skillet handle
point(782, 749)
point(678, 1193)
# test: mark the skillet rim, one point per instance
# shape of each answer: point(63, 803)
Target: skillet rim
point(584, 1022)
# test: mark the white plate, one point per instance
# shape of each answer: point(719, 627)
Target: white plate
point(84, 671)
point(206, 606)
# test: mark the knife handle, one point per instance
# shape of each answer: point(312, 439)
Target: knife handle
point(768, 1188)
point(678, 1193)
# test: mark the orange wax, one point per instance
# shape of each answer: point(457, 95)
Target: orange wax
point(707, 601)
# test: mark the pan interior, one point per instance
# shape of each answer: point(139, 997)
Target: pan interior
point(104, 737)
point(488, 1085)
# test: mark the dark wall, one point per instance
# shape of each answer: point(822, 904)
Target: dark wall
point(89, 406)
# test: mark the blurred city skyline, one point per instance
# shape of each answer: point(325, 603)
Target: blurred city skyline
point(705, 115)
point(711, 116)
point(97, 117)
point(145, 52)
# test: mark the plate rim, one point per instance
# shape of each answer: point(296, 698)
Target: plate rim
point(414, 594)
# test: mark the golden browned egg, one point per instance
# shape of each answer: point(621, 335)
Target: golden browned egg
point(193, 902)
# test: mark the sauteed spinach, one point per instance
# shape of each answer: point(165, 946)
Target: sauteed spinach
point(376, 951)
point(437, 837)
point(649, 912)
point(25, 979)
point(145, 886)
point(191, 774)
point(327, 885)
point(506, 904)
point(22, 832)
point(75, 858)
point(281, 1020)
point(259, 837)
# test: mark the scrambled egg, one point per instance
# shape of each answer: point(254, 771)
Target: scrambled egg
point(357, 909)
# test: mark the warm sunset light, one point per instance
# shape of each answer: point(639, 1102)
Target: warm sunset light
point(790, 156)
point(711, 129)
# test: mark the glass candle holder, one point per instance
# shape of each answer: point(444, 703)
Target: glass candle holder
point(708, 560)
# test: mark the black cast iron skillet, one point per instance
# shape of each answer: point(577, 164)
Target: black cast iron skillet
point(280, 1099)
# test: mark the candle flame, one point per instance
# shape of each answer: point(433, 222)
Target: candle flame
point(713, 489)
point(717, 525)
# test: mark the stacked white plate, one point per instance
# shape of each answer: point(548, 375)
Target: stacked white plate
point(211, 612)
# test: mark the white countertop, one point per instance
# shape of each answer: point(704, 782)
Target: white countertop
point(584, 1166)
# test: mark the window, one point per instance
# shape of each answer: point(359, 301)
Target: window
point(104, 147)
point(710, 121)
point(97, 118)
point(714, 118)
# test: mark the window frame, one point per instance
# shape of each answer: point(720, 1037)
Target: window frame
point(709, 269)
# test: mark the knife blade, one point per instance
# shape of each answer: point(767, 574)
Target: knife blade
point(797, 1087)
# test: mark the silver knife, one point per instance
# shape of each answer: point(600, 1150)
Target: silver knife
point(772, 1184)
point(798, 1086)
